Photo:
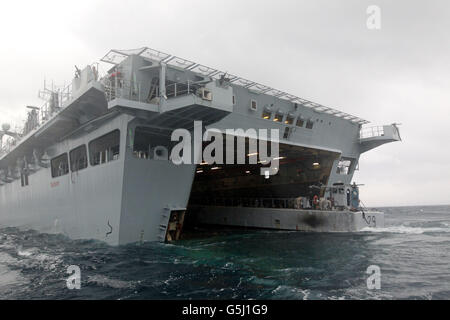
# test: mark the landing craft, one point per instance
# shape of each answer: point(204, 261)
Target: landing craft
point(93, 162)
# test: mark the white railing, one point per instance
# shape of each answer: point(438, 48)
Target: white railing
point(119, 88)
point(8, 145)
point(179, 89)
point(371, 132)
point(132, 90)
point(57, 100)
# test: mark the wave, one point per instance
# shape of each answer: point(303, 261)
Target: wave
point(8, 276)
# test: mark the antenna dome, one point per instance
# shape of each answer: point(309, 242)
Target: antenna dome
point(6, 127)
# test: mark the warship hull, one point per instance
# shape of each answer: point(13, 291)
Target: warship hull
point(99, 164)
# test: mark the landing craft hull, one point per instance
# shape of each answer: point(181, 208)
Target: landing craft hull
point(289, 219)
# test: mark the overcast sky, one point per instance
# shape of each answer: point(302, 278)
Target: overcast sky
point(319, 50)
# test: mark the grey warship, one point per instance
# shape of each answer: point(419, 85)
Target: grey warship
point(95, 161)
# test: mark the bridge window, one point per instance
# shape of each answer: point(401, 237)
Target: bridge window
point(78, 158)
point(60, 165)
point(344, 166)
point(309, 124)
point(105, 148)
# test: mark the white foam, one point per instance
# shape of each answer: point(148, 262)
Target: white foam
point(284, 290)
point(9, 277)
point(33, 258)
point(27, 252)
point(108, 282)
point(406, 230)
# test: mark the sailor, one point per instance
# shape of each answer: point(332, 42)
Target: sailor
point(95, 72)
point(316, 202)
point(298, 203)
point(325, 204)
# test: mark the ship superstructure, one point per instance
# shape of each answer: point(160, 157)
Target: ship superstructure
point(96, 161)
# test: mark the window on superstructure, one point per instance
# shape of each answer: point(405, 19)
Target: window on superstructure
point(150, 143)
point(24, 178)
point(253, 105)
point(344, 166)
point(142, 142)
point(105, 149)
point(287, 133)
point(278, 117)
point(289, 119)
point(266, 114)
point(60, 165)
point(78, 158)
point(309, 124)
point(300, 121)
point(234, 100)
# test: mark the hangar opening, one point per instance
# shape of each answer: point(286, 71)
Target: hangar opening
point(301, 172)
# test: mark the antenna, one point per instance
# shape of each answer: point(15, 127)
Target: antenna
point(77, 72)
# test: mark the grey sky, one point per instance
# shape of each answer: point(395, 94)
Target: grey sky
point(319, 50)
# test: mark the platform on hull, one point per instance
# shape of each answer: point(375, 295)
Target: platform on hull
point(287, 219)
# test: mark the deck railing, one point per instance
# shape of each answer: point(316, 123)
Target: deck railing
point(177, 89)
point(117, 56)
point(286, 203)
point(132, 90)
point(120, 88)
